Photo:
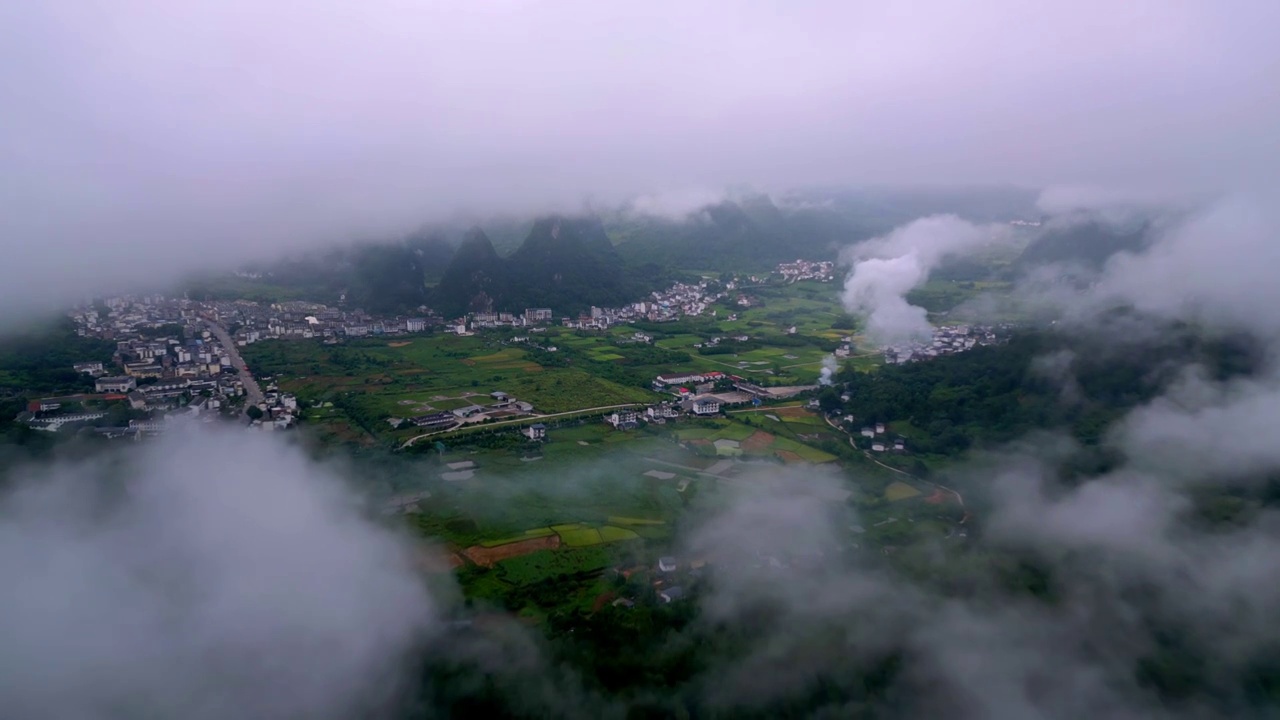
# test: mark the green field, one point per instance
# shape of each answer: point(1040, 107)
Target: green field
point(526, 535)
point(610, 533)
point(369, 380)
point(372, 379)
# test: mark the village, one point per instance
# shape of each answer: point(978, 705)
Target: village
point(819, 271)
point(170, 362)
point(947, 340)
point(176, 357)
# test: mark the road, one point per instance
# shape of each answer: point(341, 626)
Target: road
point(533, 418)
point(253, 393)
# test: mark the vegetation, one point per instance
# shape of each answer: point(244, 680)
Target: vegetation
point(998, 393)
point(567, 264)
point(39, 361)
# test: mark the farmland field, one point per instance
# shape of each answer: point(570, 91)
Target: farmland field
point(526, 535)
point(370, 380)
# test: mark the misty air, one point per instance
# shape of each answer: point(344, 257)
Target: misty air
point(639, 360)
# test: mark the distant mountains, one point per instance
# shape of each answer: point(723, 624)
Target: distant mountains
point(1084, 242)
point(569, 263)
point(566, 263)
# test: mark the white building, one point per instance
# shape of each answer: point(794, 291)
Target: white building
point(705, 406)
point(115, 384)
point(623, 419)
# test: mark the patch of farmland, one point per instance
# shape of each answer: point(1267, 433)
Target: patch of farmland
point(611, 533)
point(735, 431)
point(809, 454)
point(623, 520)
point(487, 557)
point(758, 441)
point(697, 433)
point(724, 446)
point(526, 535)
point(502, 356)
point(898, 490)
point(580, 537)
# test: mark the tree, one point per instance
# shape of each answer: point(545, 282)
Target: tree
point(829, 399)
point(254, 412)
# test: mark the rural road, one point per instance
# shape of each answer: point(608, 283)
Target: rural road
point(531, 418)
point(253, 393)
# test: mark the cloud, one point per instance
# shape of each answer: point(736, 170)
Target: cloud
point(818, 624)
point(674, 205)
point(829, 368)
point(1201, 427)
point(885, 269)
point(142, 140)
point(1213, 267)
point(208, 575)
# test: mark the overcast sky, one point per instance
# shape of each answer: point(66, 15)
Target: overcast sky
point(137, 137)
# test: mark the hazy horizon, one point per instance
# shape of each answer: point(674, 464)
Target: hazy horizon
point(196, 135)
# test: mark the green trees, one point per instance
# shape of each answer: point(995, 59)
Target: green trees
point(998, 393)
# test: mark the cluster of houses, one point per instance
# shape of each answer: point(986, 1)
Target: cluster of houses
point(946, 340)
point(880, 441)
point(822, 271)
point(295, 319)
point(279, 410)
point(531, 317)
point(665, 305)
